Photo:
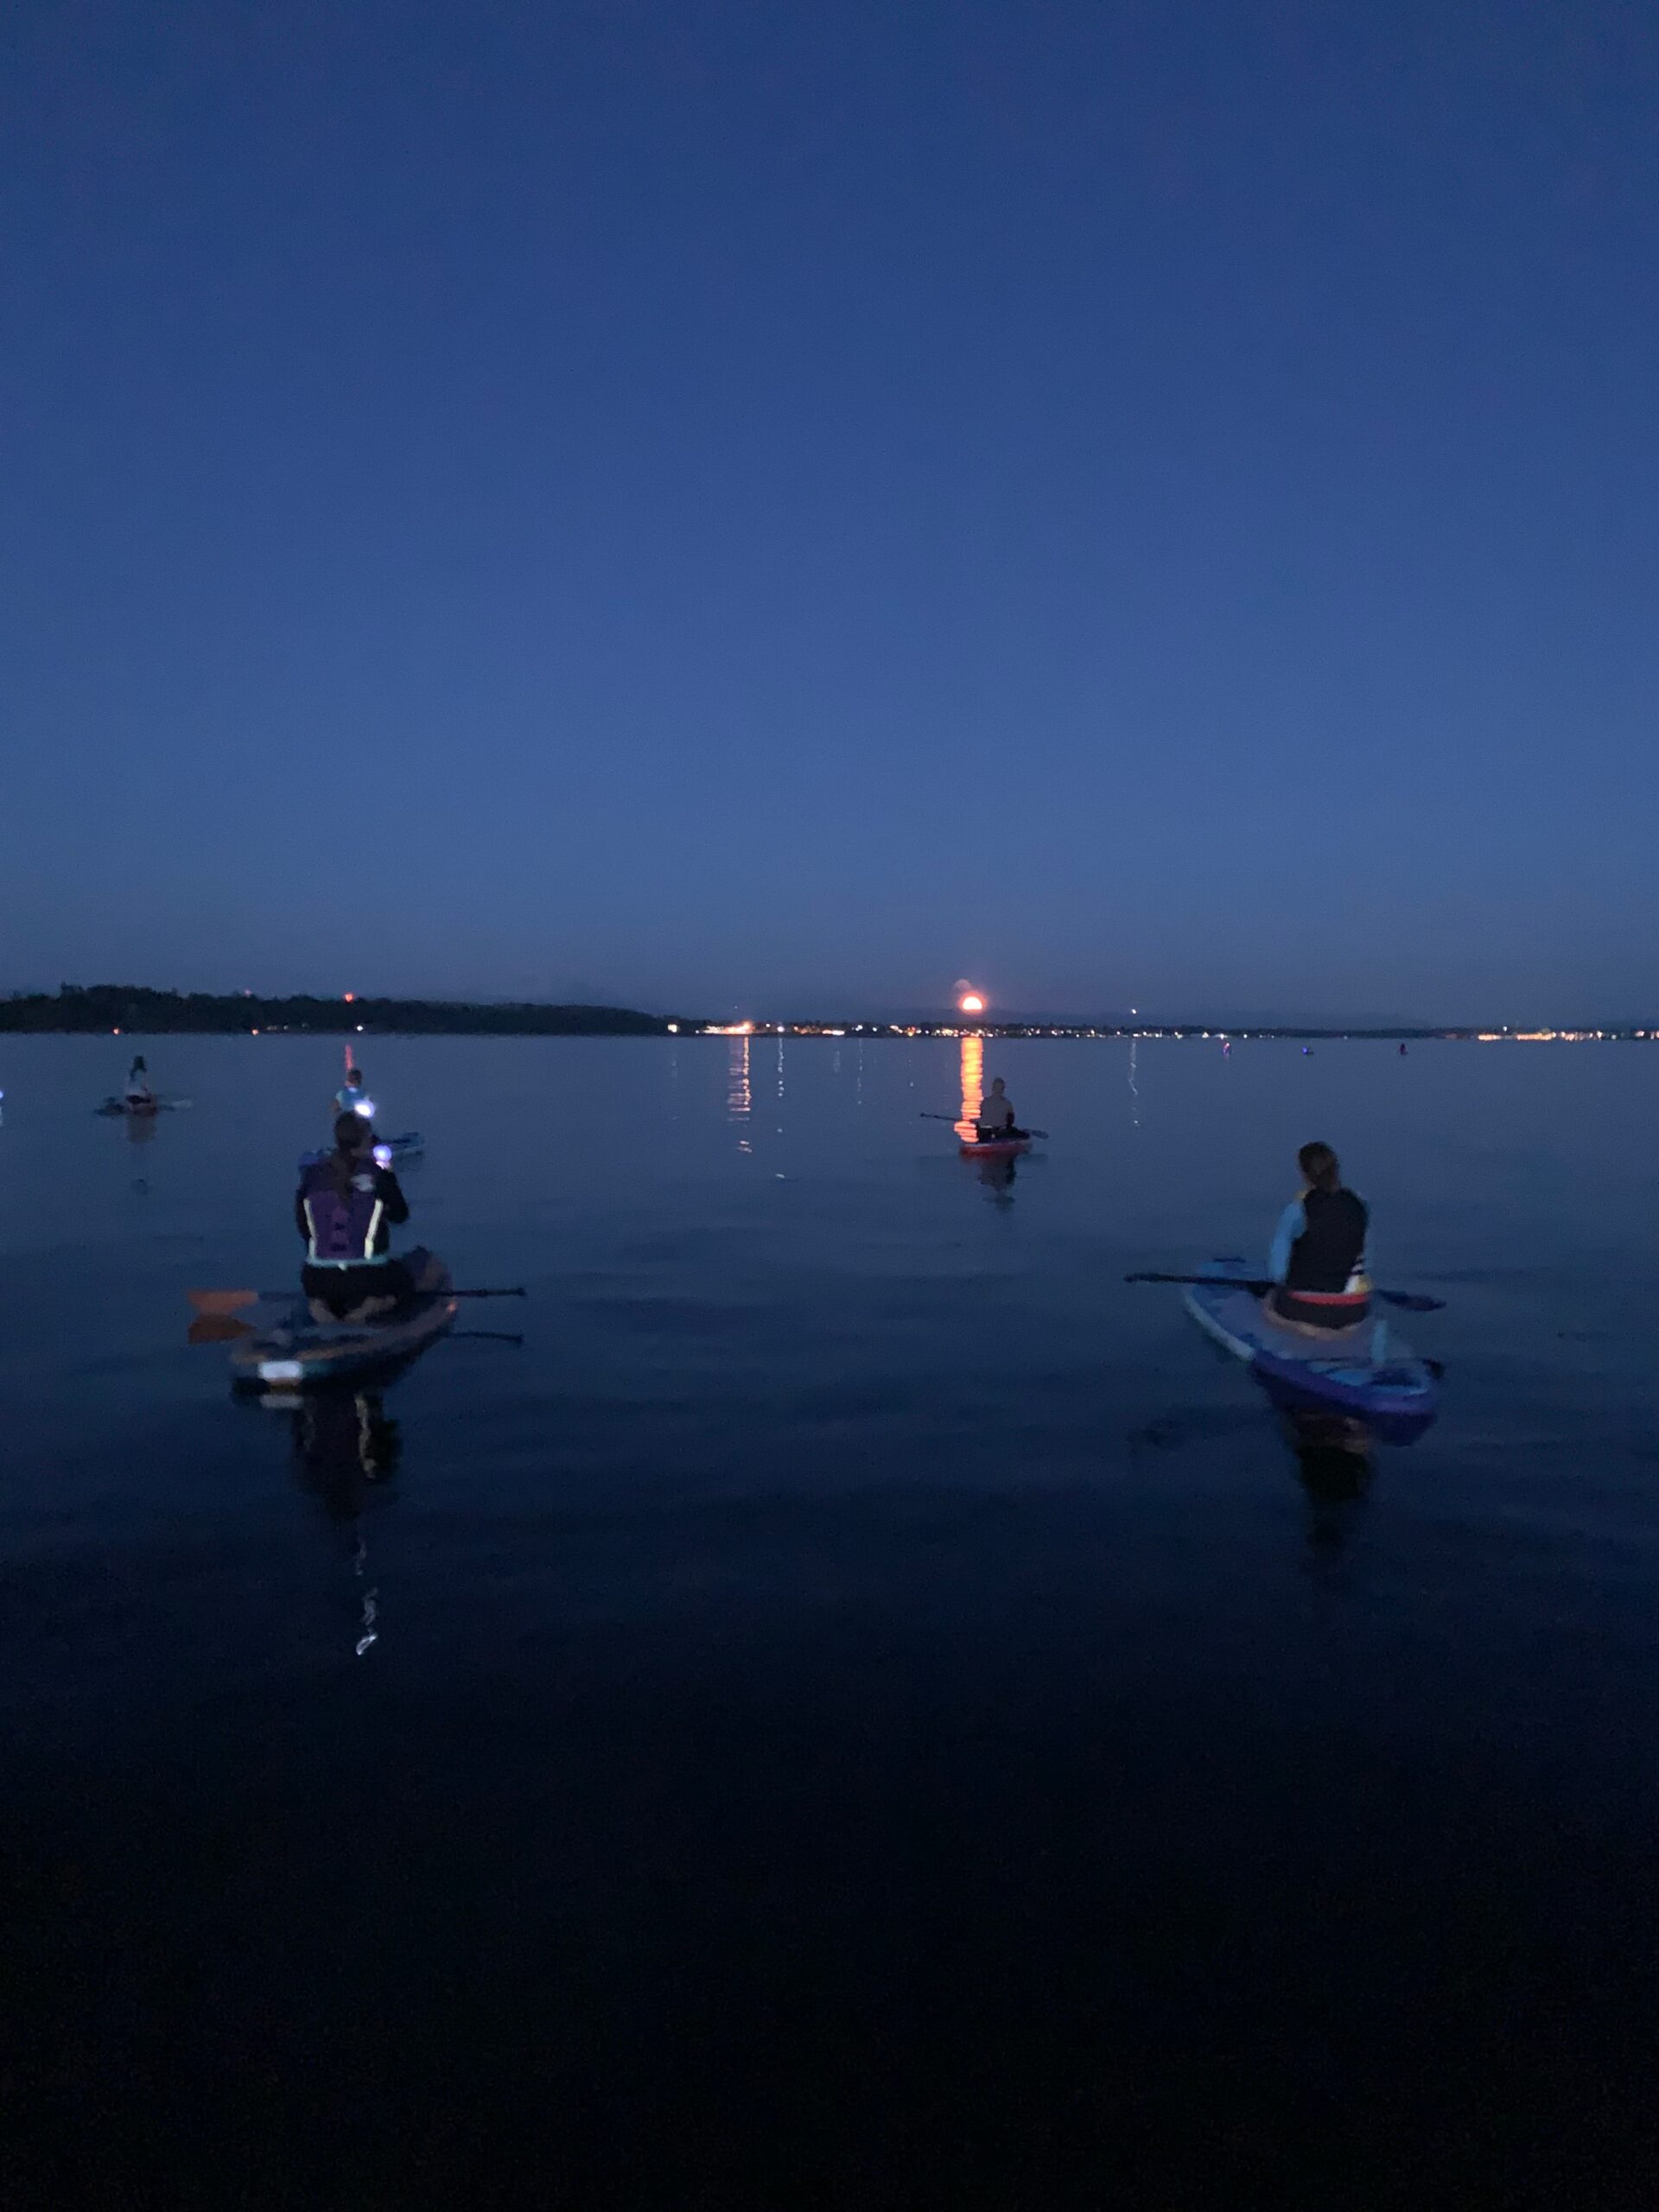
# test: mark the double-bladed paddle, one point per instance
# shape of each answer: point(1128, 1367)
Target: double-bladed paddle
point(221, 1329)
point(1413, 1301)
point(220, 1303)
point(957, 1117)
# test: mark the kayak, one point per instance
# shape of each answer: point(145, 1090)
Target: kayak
point(995, 1147)
point(297, 1353)
point(407, 1147)
point(1368, 1369)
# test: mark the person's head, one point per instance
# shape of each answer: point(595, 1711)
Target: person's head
point(138, 1067)
point(1321, 1170)
point(354, 1078)
point(997, 1087)
point(351, 1133)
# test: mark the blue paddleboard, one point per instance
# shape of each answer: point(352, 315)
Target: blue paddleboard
point(1370, 1370)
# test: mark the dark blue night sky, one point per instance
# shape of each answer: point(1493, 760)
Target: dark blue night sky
point(777, 507)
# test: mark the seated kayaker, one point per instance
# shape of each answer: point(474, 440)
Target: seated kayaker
point(1318, 1260)
point(996, 1123)
point(137, 1096)
point(345, 1208)
point(352, 1096)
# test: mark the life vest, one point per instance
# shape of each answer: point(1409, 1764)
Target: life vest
point(344, 1232)
point(1324, 1256)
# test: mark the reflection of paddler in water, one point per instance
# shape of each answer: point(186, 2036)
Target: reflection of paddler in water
point(1333, 1463)
point(345, 1442)
point(997, 1176)
point(348, 1446)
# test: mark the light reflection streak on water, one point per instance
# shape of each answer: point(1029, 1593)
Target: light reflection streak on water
point(1135, 1088)
point(973, 1081)
point(738, 1096)
point(781, 1086)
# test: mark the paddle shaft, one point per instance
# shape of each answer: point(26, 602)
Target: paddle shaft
point(1413, 1301)
point(957, 1117)
point(223, 1301)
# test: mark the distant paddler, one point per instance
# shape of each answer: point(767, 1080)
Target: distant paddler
point(137, 1096)
point(347, 1205)
point(352, 1096)
point(996, 1123)
point(1318, 1260)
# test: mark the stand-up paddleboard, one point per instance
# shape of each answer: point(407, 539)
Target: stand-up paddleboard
point(1368, 1369)
point(296, 1353)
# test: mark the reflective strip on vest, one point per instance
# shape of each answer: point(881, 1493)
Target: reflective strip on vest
point(368, 1258)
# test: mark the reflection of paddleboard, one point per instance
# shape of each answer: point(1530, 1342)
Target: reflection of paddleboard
point(298, 1352)
point(113, 1106)
point(1367, 1369)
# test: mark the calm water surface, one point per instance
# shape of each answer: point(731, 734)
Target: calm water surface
point(862, 1708)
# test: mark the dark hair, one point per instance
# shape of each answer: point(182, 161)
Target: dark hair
point(138, 1062)
point(1320, 1166)
point(352, 1137)
point(354, 1075)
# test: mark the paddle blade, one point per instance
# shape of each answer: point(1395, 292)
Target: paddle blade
point(218, 1329)
point(222, 1301)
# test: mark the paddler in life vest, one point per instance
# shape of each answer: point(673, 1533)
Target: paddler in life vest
point(345, 1209)
point(137, 1096)
point(996, 1123)
point(352, 1096)
point(1318, 1260)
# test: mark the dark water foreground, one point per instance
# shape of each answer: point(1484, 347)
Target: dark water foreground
point(862, 1708)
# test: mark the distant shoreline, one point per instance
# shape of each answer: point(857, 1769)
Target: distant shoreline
point(105, 1010)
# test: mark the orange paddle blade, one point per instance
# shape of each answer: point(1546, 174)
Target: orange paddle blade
point(218, 1329)
point(222, 1301)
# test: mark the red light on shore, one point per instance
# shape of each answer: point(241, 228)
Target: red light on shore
point(971, 1002)
point(351, 998)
